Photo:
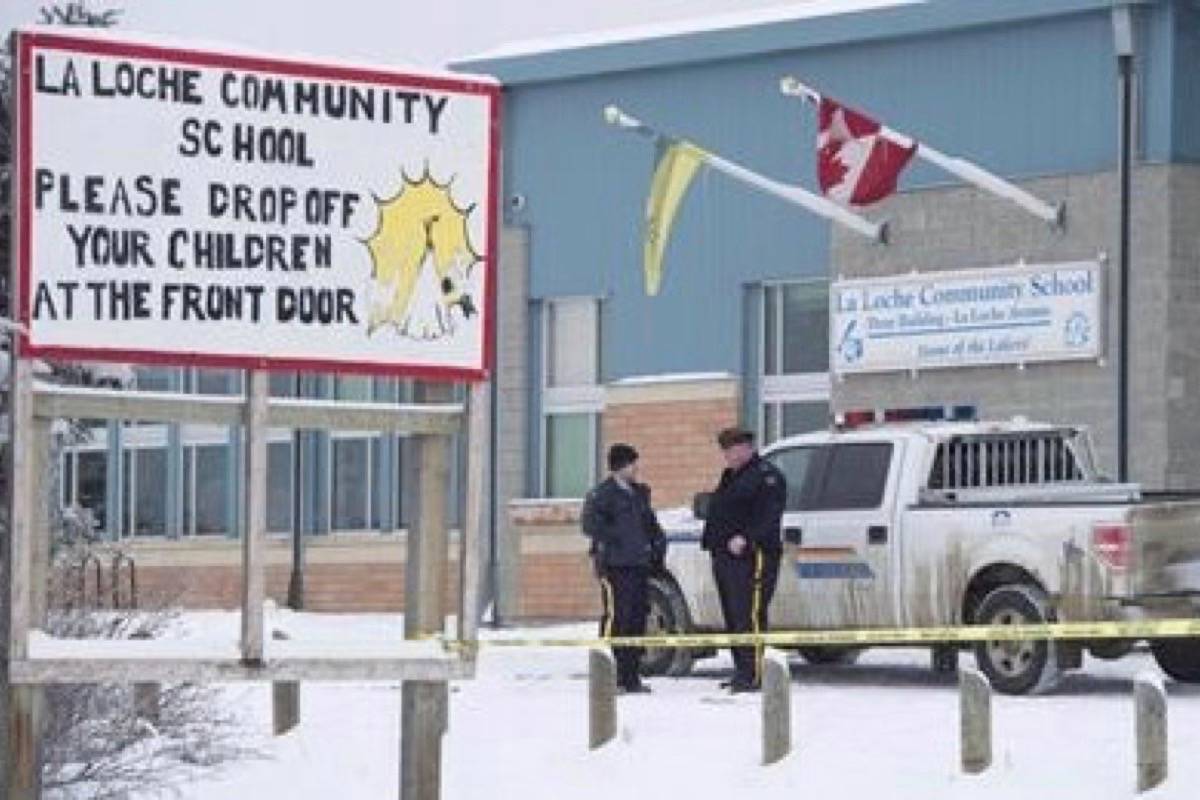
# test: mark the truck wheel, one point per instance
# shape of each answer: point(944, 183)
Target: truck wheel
point(833, 656)
point(668, 614)
point(1017, 667)
point(1179, 658)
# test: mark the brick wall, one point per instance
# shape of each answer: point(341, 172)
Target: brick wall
point(673, 425)
point(342, 575)
point(556, 580)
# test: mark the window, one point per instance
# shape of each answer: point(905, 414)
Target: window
point(217, 381)
point(150, 515)
point(92, 475)
point(153, 379)
point(353, 388)
point(794, 379)
point(570, 454)
point(572, 399)
point(212, 489)
point(1007, 460)
point(854, 477)
point(794, 463)
point(279, 487)
point(283, 384)
point(351, 482)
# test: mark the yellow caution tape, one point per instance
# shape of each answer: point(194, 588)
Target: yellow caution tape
point(1142, 629)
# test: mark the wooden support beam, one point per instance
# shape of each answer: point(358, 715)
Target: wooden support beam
point(24, 482)
point(401, 666)
point(434, 419)
point(147, 695)
point(478, 501)
point(66, 402)
point(285, 699)
point(424, 705)
point(425, 570)
point(25, 713)
point(39, 547)
point(254, 535)
point(424, 710)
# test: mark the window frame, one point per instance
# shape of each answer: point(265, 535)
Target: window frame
point(803, 491)
point(814, 496)
point(779, 389)
point(569, 400)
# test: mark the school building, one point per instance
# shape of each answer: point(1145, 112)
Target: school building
point(1035, 91)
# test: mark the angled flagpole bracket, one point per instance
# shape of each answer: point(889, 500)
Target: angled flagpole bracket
point(796, 195)
point(969, 172)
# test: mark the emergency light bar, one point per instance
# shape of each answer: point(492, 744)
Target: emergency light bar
point(859, 418)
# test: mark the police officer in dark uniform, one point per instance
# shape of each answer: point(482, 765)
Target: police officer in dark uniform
point(742, 534)
point(627, 542)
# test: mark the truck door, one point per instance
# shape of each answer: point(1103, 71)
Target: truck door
point(796, 465)
point(838, 547)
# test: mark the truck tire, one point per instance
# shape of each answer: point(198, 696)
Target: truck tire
point(668, 614)
point(832, 656)
point(1179, 658)
point(1017, 667)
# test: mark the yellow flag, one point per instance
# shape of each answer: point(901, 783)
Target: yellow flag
point(677, 165)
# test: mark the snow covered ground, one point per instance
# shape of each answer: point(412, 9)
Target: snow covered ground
point(886, 727)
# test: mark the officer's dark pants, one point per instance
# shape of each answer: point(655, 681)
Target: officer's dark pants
point(623, 590)
point(746, 585)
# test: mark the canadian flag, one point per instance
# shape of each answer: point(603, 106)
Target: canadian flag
point(858, 160)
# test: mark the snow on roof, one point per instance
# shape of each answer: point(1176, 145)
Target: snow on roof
point(660, 30)
point(931, 429)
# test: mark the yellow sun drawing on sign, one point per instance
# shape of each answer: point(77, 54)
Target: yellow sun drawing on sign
point(422, 259)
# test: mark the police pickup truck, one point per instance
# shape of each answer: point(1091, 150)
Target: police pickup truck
point(921, 524)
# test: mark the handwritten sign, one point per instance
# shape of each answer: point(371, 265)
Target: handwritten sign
point(195, 207)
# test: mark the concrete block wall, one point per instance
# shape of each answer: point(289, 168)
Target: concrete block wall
point(512, 411)
point(1182, 391)
point(958, 228)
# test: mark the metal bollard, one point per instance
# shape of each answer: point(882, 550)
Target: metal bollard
point(975, 710)
point(602, 697)
point(1150, 727)
point(776, 707)
point(285, 699)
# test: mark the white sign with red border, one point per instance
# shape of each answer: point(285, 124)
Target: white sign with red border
point(194, 207)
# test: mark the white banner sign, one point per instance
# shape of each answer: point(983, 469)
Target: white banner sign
point(190, 207)
point(1014, 315)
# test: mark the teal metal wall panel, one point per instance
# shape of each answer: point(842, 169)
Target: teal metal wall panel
point(1028, 98)
point(1185, 106)
point(720, 43)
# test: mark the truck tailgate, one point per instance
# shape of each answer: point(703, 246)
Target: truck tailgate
point(1166, 547)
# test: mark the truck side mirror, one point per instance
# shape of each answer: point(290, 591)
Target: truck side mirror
point(700, 503)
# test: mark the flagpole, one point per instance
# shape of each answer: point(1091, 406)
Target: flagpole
point(960, 167)
point(796, 195)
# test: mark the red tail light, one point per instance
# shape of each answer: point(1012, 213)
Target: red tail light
point(857, 419)
point(1112, 544)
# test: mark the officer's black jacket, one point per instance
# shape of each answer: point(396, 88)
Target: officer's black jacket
point(747, 502)
point(622, 525)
